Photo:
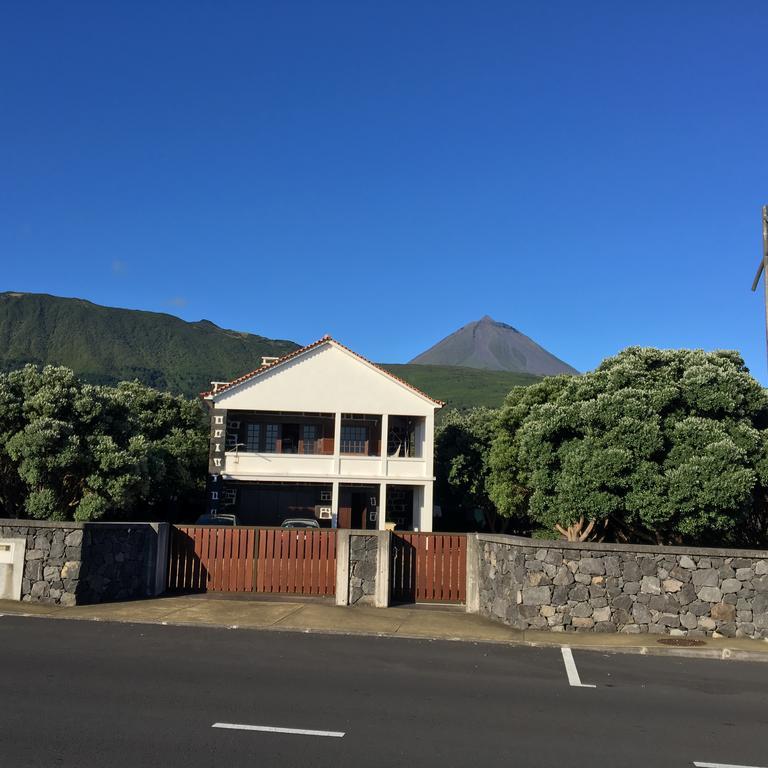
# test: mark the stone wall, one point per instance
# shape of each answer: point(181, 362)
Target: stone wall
point(362, 569)
point(78, 563)
point(562, 586)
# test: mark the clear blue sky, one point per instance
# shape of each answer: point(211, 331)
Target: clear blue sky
point(589, 172)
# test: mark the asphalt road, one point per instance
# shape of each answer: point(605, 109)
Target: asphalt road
point(88, 694)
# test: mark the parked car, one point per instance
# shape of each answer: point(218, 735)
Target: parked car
point(217, 520)
point(300, 522)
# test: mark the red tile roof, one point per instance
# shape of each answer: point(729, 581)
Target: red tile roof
point(301, 351)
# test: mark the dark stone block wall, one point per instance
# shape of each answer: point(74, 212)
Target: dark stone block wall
point(362, 568)
point(79, 563)
point(565, 587)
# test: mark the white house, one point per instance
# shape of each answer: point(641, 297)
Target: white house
point(322, 433)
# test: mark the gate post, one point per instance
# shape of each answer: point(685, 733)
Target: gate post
point(342, 566)
point(157, 571)
point(384, 545)
point(473, 574)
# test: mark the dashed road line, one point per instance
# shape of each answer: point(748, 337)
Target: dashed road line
point(570, 668)
point(274, 729)
point(722, 765)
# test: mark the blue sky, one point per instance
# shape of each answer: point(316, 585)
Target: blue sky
point(591, 173)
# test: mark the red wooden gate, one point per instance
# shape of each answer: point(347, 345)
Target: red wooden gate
point(299, 561)
point(428, 567)
point(212, 558)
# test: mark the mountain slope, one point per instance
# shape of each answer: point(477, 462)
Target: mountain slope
point(107, 345)
point(462, 387)
point(493, 346)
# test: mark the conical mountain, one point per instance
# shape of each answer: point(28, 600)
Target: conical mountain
point(493, 346)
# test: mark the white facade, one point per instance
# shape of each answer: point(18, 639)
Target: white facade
point(328, 380)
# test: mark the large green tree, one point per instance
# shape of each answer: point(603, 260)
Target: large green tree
point(658, 445)
point(462, 446)
point(71, 450)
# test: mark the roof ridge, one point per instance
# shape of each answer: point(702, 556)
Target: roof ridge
point(324, 340)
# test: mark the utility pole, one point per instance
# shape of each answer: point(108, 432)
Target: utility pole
point(763, 268)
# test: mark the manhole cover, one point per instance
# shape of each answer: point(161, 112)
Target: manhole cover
point(681, 641)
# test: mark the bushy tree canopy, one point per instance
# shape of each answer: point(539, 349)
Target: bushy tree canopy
point(661, 445)
point(462, 445)
point(70, 450)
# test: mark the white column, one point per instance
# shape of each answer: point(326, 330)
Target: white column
point(384, 434)
point(427, 508)
point(335, 504)
point(382, 516)
point(429, 446)
point(337, 444)
point(417, 507)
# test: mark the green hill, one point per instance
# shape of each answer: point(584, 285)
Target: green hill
point(462, 387)
point(105, 345)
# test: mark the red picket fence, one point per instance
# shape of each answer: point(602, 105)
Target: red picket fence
point(207, 558)
point(299, 561)
point(428, 567)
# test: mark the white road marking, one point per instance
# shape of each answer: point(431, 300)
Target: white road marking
point(722, 765)
point(570, 668)
point(273, 729)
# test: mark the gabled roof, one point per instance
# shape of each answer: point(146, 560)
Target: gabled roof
point(297, 353)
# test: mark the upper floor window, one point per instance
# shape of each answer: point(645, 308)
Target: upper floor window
point(354, 439)
point(253, 438)
point(309, 436)
point(270, 438)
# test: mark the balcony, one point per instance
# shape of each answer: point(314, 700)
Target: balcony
point(302, 445)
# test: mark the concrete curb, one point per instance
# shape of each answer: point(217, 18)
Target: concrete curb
point(720, 653)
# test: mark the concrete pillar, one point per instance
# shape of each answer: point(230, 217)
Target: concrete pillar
point(473, 574)
point(335, 504)
point(384, 434)
point(429, 446)
point(382, 515)
point(158, 573)
point(417, 507)
point(337, 444)
point(342, 567)
point(381, 597)
point(427, 508)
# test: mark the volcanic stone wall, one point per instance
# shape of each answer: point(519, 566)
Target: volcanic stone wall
point(563, 587)
point(77, 563)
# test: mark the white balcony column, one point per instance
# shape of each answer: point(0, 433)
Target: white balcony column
point(337, 444)
point(384, 436)
point(335, 504)
point(382, 508)
point(429, 447)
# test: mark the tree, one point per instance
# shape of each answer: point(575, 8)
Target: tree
point(72, 450)
point(462, 445)
point(657, 445)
